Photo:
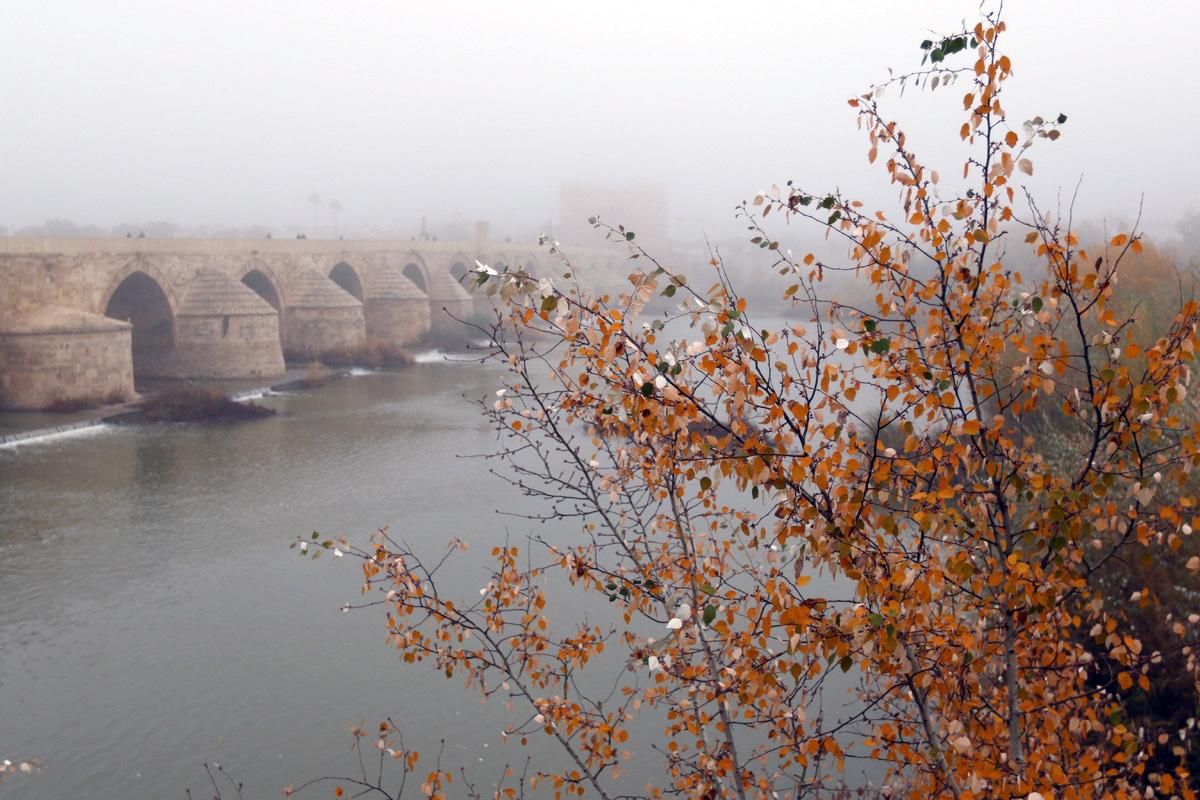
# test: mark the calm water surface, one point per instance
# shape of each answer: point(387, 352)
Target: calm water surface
point(153, 618)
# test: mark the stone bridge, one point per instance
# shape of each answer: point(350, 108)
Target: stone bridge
point(80, 319)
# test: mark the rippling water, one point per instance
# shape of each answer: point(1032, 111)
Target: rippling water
point(153, 618)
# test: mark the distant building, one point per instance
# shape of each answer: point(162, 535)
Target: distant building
point(641, 208)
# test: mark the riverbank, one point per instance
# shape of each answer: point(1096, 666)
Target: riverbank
point(154, 618)
point(133, 412)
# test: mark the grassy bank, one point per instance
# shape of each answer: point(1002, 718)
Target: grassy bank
point(373, 353)
point(199, 404)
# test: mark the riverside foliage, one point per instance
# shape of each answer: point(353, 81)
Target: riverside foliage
point(886, 444)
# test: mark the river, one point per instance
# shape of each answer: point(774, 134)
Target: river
point(153, 618)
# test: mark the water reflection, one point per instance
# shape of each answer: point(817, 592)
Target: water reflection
point(152, 617)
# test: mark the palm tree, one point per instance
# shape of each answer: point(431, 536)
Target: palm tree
point(336, 207)
point(314, 200)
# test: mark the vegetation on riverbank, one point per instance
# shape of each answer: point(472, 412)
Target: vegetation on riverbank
point(199, 404)
point(373, 353)
point(315, 374)
point(884, 448)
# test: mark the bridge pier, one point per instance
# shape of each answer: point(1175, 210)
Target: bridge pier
point(449, 303)
point(225, 330)
point(64, 357)
point(396, 310)
point(319, 317)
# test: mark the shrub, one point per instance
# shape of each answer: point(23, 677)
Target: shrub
point(199, 404)
point(375, 353)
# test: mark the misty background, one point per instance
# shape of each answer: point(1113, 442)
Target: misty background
point(226, 116)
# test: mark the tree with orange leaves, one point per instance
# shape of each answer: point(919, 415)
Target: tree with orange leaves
point(717, 465)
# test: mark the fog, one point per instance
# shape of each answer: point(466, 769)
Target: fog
point(227, 114)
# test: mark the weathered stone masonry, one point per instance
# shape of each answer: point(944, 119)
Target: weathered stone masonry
point(79, 318)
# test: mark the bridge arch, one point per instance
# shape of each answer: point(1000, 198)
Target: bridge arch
point(264, 282)
point(417, 271)
point(139, 264)
point(460, 265)
point(347, 277)
point(141, 296)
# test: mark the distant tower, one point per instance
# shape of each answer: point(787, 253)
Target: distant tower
point(424, 234)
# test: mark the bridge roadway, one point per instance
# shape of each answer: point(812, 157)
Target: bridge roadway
point(81, 318)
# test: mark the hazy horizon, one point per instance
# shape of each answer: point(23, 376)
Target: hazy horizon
point(226, 115)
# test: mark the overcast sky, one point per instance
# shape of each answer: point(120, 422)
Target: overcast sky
point(232, 112)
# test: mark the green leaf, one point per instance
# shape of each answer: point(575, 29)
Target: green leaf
point(629, 236)
point(834, 217)
point(875, 619)
point(708, 589)
point(669, 291)
point(549, 303)
point(1036, 303)
point(710, 613)
point(1062, 118)
point(881, 346)
point(647, 389)
point(827, 202)
point(846, 663)
point(926, 45)
point(869, 325)
point(706, 483)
